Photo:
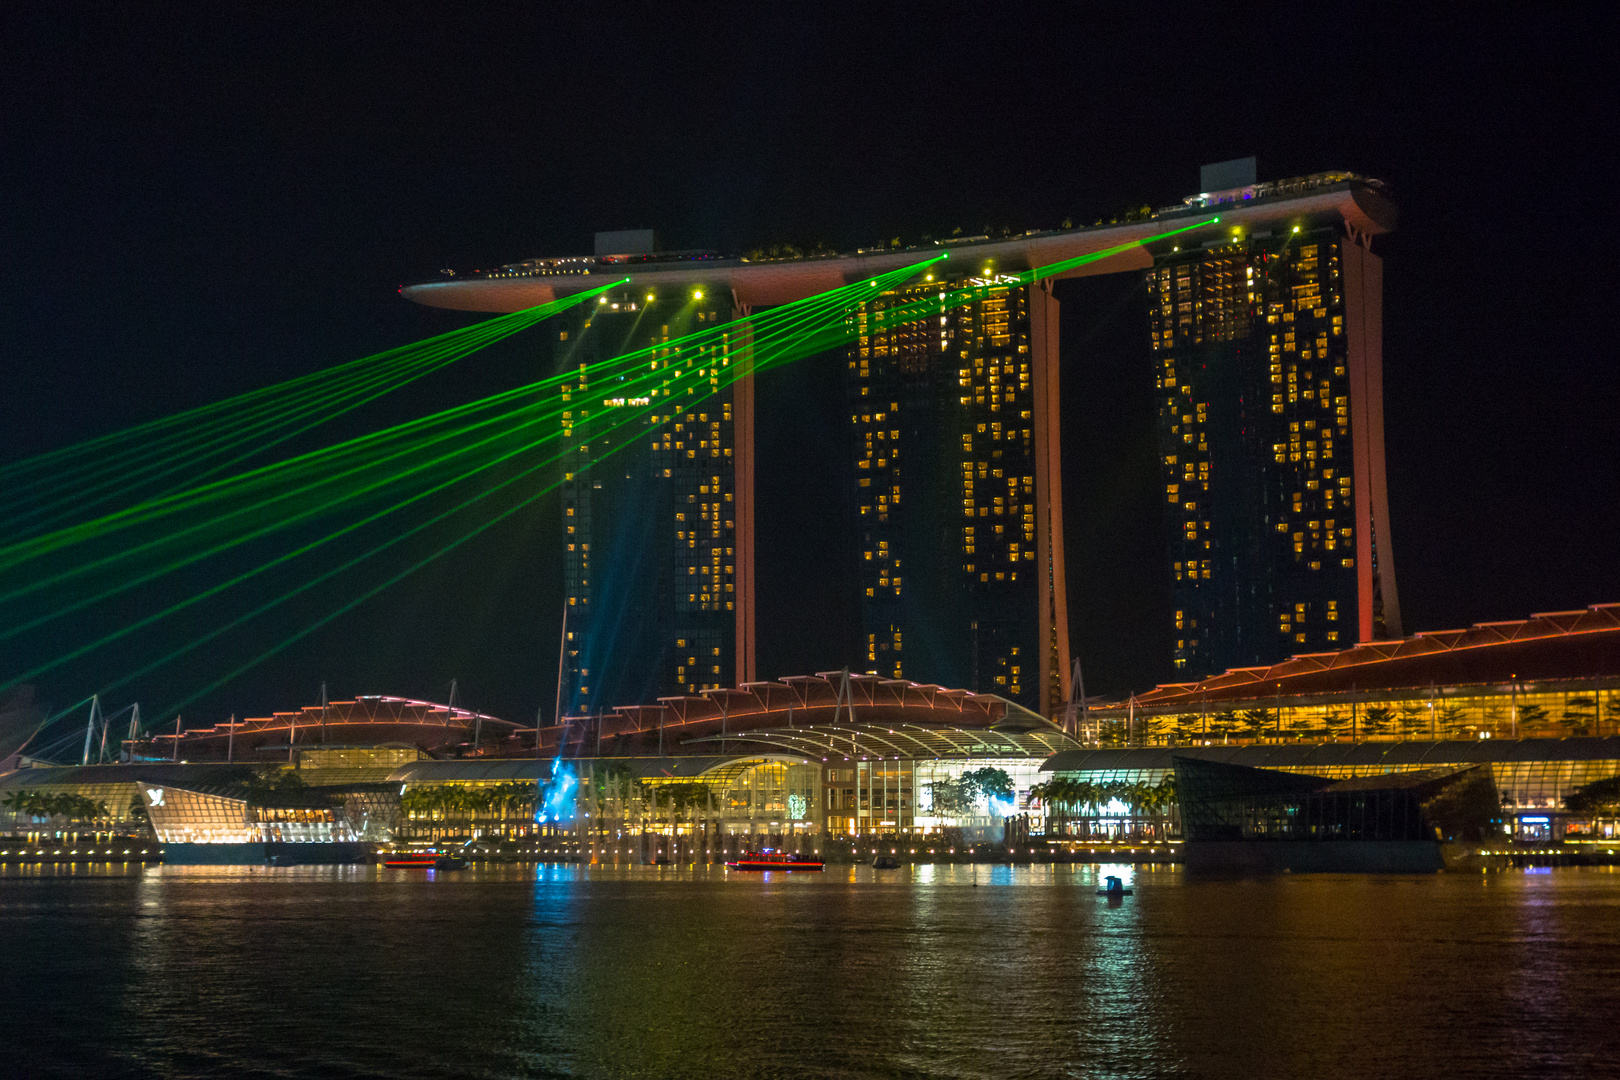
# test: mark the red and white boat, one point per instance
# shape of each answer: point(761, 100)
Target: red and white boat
point(423, 860)
point(774, 860)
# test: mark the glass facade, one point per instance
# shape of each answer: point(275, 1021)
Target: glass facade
point(649, 504)
point(945, 458)
point(1503, 712)
point(1221, 802)
point(122, 799)
point(901, 796)
point(357, 757)
point(182, 816)
point(1526, 789)
point(1252, 361)
point(741, 806)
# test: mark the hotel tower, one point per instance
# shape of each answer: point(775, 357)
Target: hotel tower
point(956, 491)
point(1265, 336)
point(1267, 359)
point(657, 543)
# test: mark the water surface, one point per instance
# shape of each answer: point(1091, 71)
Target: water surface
point(661, 972)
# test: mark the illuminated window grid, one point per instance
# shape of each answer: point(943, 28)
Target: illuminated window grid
point(981, 351)
point(198, 818)
point(1528, 785)
point(690, 451)
point(120, 799)
point(1410, 716)
point(1222, 294)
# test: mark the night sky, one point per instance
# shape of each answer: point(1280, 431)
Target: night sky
point(196, 203)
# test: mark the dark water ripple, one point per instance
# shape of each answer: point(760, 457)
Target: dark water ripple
point(559, 972)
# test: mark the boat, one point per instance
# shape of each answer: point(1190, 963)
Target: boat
point(774, 860)
point(885, 862)
point(423, 860)
point(1115, 887)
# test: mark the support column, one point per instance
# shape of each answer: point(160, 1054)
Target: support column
point(1378, 605)
point(742, 439)
point(1053, 617)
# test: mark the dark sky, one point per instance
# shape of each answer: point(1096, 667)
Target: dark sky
point(197, 202)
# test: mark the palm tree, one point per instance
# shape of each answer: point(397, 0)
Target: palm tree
point(1602, 797)
point(1410, 718)
point(1167, 795)
point(1580, 714)
point(1300, 724)
point(1376, 720)
point(1086, 794)
point(1187, 727)
point(23, 803)
point(1257, 721)
point(1223, 723)
point(1335, 720)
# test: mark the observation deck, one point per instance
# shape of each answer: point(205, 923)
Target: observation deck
point(1362, 204)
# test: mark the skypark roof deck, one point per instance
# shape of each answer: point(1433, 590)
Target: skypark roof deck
point(1359, 202)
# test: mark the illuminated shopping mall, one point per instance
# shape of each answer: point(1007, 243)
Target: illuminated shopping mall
point(827, 762)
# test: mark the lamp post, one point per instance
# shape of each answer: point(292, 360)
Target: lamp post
point(1513, 714)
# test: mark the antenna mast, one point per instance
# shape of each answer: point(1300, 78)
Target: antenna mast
point(90, 727)
point(562, 657)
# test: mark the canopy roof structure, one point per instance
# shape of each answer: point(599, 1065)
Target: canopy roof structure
point(862, 742)
point(1360, 202)
point(372, 720)
point(1560, 647)
point(826, 715)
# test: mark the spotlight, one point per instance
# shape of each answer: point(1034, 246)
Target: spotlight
point(697, 295)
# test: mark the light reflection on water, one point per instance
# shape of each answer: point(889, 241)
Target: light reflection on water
point(958, 971)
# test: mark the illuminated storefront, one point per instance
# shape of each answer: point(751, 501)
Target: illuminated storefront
point(1553, 675)
point(1533, 777)
point(184, 816)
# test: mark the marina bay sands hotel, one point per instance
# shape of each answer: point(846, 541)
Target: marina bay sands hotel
point(1264, 336)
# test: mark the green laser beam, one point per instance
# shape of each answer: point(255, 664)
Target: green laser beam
point(761, 363)
point(779, 320)
point(369, 387)
point(16, 553)
point(189, 417)
point(693, 374)
point(87, 601)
